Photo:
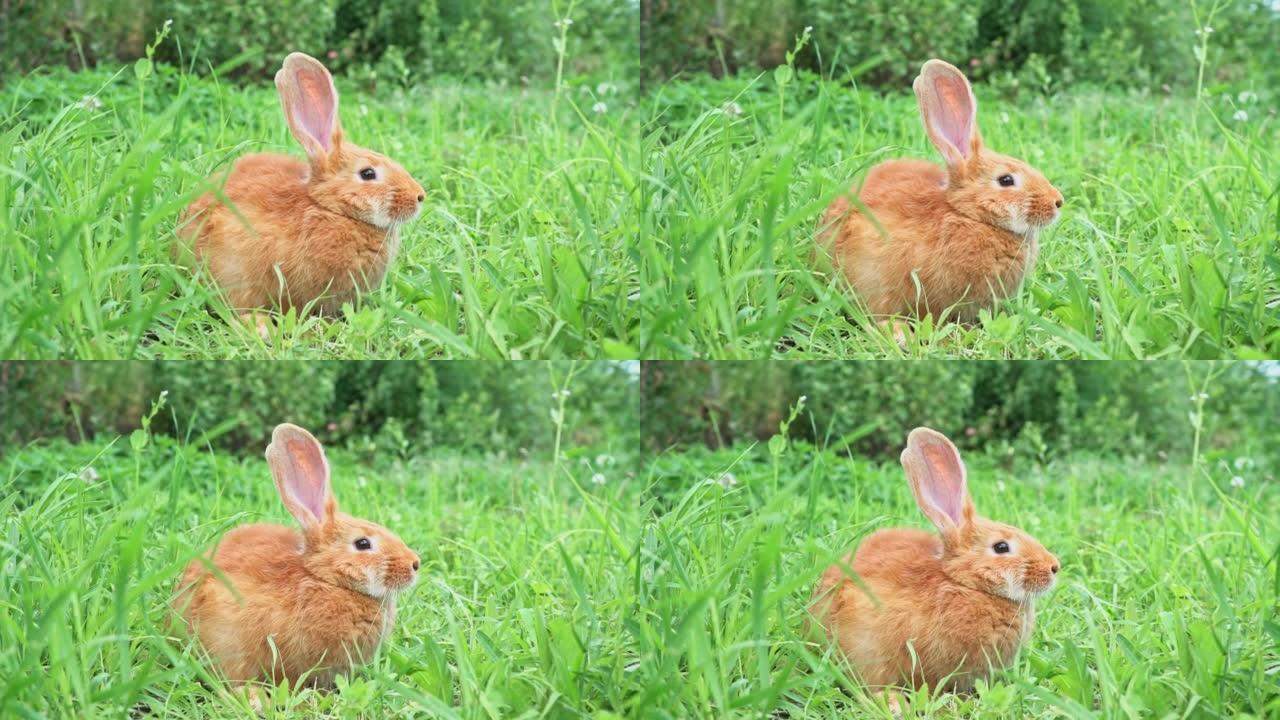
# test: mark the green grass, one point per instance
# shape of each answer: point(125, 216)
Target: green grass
point(521, 250)
point(656, 594)
point(1167, 246)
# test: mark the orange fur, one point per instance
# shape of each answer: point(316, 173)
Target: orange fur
point(933, 238)
point(295, 233)
point(947, 597)
point(324, 605)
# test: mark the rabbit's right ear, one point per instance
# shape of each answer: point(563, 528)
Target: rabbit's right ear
point(301, 472)
point(950, 111)
point(938, 479)
point(310, 103)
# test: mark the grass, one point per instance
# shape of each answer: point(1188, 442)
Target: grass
point(1167, 246)
point(656, 594)
point(521, 250)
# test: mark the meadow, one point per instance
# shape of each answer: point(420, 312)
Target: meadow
point(521, 251)
point(669, 587)
point(1166, 247)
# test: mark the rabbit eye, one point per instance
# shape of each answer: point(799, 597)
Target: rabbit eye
point(363, 544)
point(368, 174)
point(1005, 180)
point(1001, 547)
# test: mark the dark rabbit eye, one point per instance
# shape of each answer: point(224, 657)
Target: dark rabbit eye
point(363, 544)
point(1001, 547)
point(368, 174)
point(1005, 180)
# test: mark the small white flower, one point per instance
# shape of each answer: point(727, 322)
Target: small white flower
point(1247, 97)
point(168, 23)
point(604, 460)
point(1208, 30)
point(727, 480)
point(732, 109)
point(808, 29)
point(599, 107)
point(604, 88)
point(564, 23)
point(1000, 486)
point(584, 462)
point(803, 398)
point(1237, 482)
point(597, 479)
point(1004, 117)
point(89, 102)
point(1243, 462)
point(1240, 116)
point(362, 481)
point(89, 474)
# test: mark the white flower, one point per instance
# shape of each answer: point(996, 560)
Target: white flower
point(999, 486)
point(89, 102)
point(727, 480)
point(732, 109)
point(1247, 97)
point(808, 29)
point(604, 460)
point(604, 88)
point(564, 23)
point(1240, 116)
point(89, 475)
point(1243, 462)
point(597, 479)
point(1004, 117)
point(1237, 482)
point(168, 23)
point(599, 107)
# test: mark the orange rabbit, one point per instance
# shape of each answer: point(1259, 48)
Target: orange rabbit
point(319, 231)
point(939, 609)
point(962, 237)
point(318, 601)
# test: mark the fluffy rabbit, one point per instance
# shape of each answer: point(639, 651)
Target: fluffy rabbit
point(941, 609)
point(931, 239)
point(287, 602)
point(298, 232)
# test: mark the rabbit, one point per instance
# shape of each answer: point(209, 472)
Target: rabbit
point(938, 609)
point(295, 234)
point(271, 603)
point(933, 238)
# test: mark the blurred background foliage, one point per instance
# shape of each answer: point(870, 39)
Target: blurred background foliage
point(1041, 44)
point(501, 40)
point(500, 408)
point(1025, 409)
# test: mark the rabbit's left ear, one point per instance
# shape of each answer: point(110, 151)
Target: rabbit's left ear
point(950, 111)
point(310, 103)
point(301, 472)
point(938, 479)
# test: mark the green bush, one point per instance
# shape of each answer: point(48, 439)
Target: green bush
point(1038, 43)
point(215, 31)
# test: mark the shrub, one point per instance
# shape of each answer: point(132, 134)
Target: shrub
point(215, 31)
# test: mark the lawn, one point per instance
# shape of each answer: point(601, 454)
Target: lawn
point(1167, 246)
point(522, 250)
point(661, 592)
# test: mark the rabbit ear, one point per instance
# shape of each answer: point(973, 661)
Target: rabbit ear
point(301, 472)
point(310, 103)
point(950, 111)
point(937, 478)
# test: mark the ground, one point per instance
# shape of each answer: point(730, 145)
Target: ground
point(521, 249)
point(1166, 247)
point(675, 590)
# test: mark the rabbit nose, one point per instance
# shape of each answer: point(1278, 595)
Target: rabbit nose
point(1058, 202)
point(1052, 568)
point(416, 564)
point(423, 196)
